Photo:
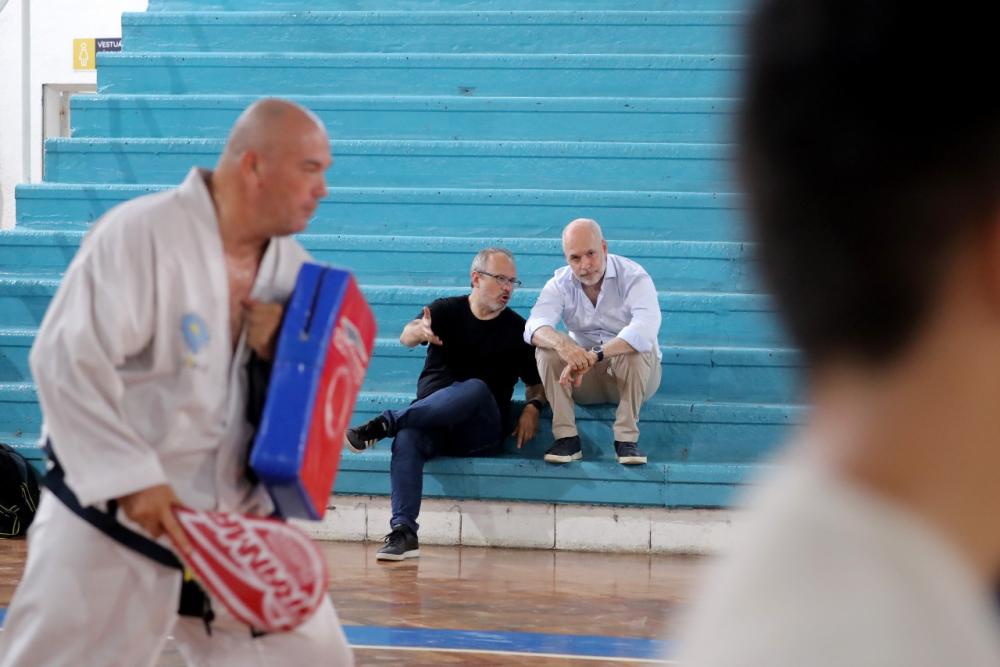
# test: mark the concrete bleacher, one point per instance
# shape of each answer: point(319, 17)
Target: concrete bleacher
point(457, 124)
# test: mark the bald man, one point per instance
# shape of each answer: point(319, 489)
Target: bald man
point(139, 365)
point(610, 354)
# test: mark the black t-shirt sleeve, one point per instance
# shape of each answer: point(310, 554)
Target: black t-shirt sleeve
point(524, 362)
point(528, 367)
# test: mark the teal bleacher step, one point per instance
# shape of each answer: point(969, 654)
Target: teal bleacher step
point(444, 261)
point(421, 164)
point(441, 5)
point(763, 375)
point(24, 252)
point(15, 344)
point(518, 477)
point(515, 476)
point(689, 318)
point(465, 31)
point(419, 117)
point(439, 211)
point(671, 431)
point(677, 430)
point(24, 299)
point(692, 373)
point(492, 75)
point(19, 412)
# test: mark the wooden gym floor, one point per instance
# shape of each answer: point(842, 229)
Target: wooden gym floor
point(476, 606)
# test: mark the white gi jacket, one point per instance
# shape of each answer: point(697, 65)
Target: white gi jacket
point(134, 365)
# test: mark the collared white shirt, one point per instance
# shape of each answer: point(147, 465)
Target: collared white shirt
point(627, 307)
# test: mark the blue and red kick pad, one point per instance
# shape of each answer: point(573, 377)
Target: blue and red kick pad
point(323, 350)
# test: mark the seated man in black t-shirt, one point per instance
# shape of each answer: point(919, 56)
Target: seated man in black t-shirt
point(476, 353)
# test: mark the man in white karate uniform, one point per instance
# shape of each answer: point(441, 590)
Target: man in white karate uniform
point(139, 365)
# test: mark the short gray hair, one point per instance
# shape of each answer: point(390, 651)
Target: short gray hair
point(483, 256)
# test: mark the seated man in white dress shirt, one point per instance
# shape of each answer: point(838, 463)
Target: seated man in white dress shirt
point(609, 306)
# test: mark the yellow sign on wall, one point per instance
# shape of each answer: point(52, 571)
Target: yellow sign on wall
point(85, 50)
point(84, 54)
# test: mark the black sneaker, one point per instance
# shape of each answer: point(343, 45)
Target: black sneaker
point(565, 450)
point(629, 453)
point(400, 544)
point(361, 438)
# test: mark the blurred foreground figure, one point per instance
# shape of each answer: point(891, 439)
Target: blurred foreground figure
point(873, 179)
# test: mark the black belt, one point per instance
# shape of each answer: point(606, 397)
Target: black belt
point(193, 602)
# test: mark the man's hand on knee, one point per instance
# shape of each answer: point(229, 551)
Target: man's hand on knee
point(151, 509)
point(575, 357)
point(572, 377)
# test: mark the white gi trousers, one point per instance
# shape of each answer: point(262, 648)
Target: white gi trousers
point(87, 600)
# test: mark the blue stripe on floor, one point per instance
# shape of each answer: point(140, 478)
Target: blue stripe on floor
point(515, 642)
point(519, 642)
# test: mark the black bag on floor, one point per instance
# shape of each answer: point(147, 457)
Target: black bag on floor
point(19, 491)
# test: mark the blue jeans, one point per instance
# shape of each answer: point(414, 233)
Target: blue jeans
point(460, 420)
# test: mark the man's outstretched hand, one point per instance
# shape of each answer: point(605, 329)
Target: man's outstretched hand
point(425, 331)
point(572, 378)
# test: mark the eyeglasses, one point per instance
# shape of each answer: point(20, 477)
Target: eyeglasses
point(503, 280)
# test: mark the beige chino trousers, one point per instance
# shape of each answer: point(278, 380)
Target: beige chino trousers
point(628, 381)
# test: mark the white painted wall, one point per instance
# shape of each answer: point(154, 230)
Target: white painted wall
point(54, 25)
point(10, 108)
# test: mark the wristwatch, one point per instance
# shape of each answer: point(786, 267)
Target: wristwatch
point(599, 351)
point(537, 403)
